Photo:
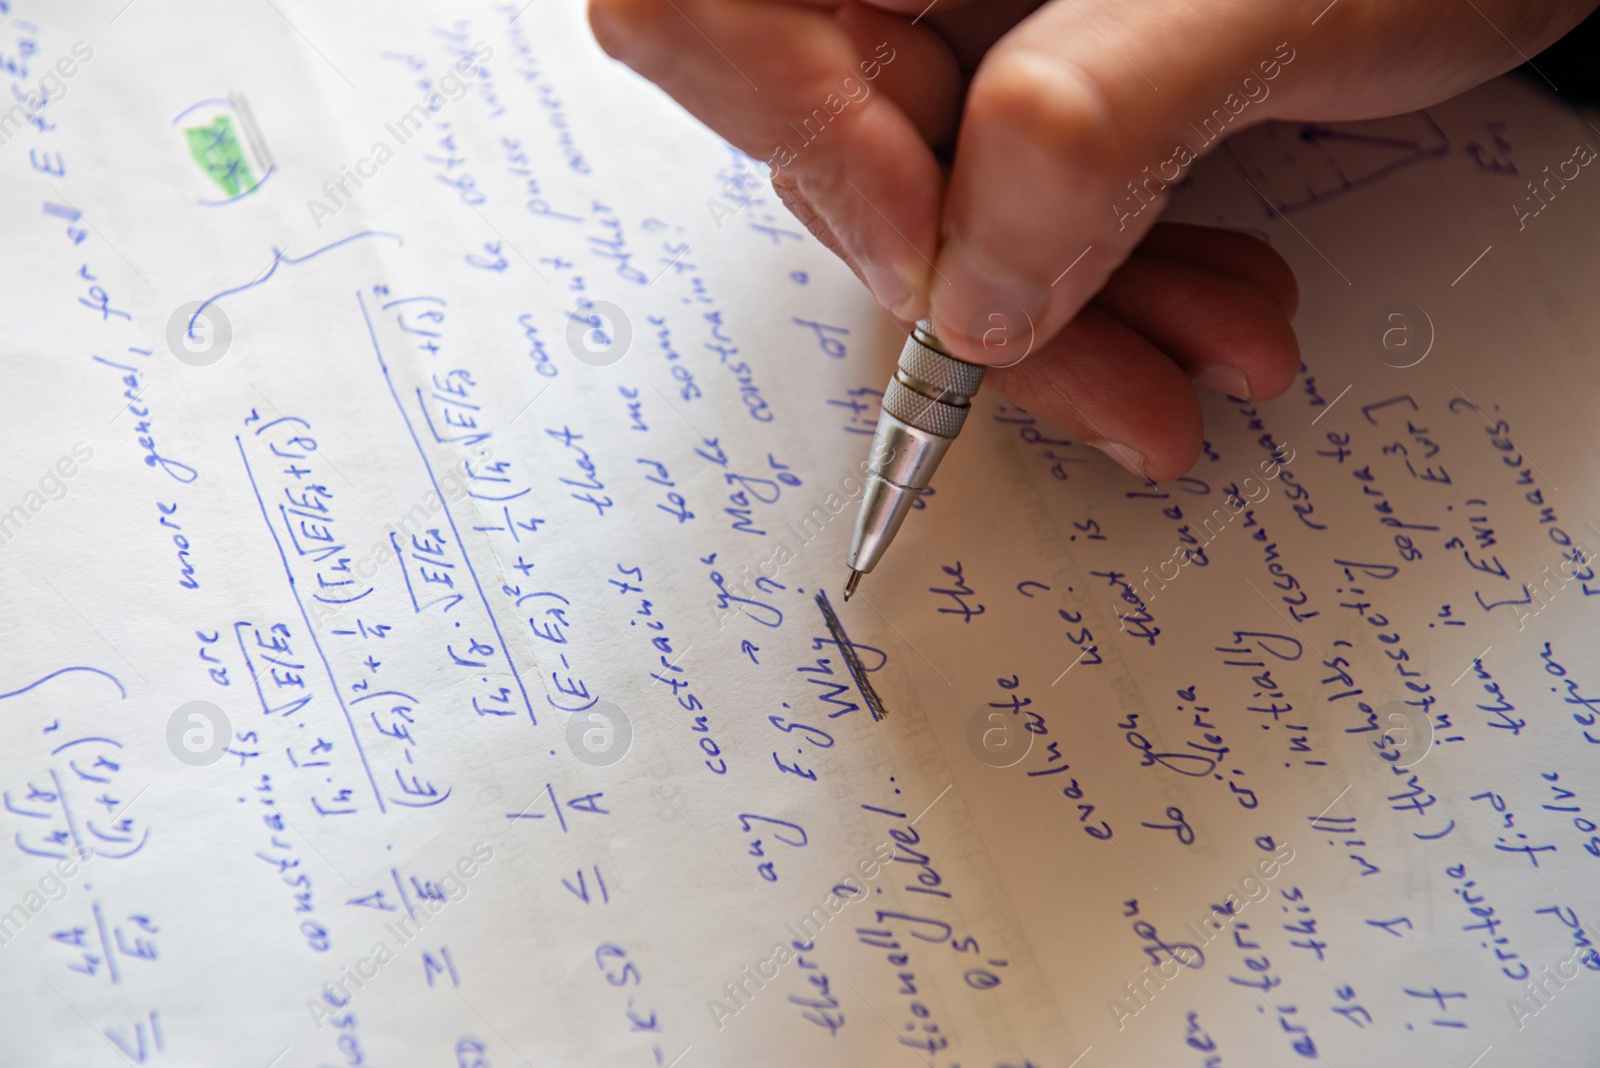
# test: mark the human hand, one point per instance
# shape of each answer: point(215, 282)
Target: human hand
point(1064, 124)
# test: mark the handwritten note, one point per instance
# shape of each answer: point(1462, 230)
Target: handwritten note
point(430, 461)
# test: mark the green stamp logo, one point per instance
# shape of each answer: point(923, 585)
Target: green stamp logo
point(227, 148)
point(216, 148)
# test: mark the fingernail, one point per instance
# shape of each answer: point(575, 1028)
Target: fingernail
point(984, 312)
point(1132, 462)
point(892, 291)
point(1224, 379)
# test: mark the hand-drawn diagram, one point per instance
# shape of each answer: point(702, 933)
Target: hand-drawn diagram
point(1297, 165)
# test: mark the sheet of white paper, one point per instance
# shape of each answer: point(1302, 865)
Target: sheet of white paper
point(385, 679)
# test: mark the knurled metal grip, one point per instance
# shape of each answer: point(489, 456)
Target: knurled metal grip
point(931, 389)
point(934, 368)
point(913, 409)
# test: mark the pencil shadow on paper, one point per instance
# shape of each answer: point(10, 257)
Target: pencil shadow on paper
point(852, 659)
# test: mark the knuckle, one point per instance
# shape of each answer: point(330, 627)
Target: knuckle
point(1046, 100)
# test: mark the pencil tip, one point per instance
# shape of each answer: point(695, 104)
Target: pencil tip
point(850, 586)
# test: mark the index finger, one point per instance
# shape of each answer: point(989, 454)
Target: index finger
point(838, 97)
